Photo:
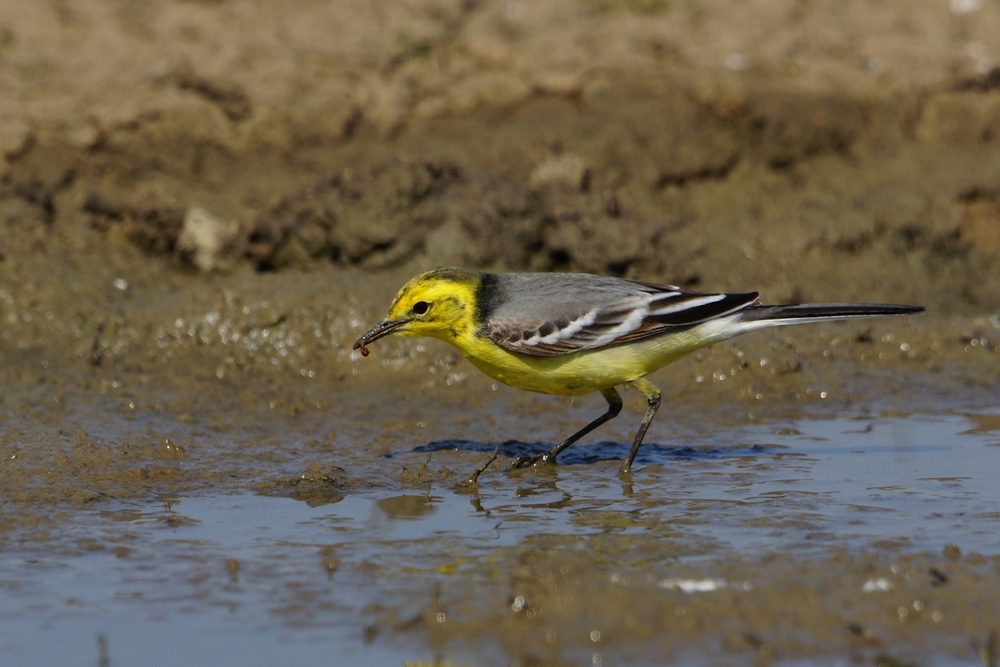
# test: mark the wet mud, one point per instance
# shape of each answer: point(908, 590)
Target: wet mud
point(203, 204)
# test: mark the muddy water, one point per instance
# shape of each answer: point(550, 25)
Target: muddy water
point(254, 525)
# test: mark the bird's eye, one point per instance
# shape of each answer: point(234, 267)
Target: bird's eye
point(421, 307)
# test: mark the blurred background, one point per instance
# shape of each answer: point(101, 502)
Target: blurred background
point(811, 150)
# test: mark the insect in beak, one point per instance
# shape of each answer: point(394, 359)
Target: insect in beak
point(383, 328)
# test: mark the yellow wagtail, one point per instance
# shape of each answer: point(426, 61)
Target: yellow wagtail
point(572, 334)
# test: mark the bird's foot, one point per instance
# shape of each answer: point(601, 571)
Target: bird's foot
point(526, 461)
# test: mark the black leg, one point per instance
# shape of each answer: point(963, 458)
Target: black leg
point(614, 400)
point(652, 395)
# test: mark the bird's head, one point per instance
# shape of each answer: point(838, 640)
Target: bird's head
point(438, 304)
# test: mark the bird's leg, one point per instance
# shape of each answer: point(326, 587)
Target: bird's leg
point(614, 400)
point(652, 394)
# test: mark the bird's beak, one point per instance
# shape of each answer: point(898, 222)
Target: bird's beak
point(383, 328)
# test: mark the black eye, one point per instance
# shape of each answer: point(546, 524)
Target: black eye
point(421, 307)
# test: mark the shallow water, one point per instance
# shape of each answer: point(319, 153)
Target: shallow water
point(365, 576)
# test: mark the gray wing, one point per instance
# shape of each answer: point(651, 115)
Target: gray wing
point(546, 315)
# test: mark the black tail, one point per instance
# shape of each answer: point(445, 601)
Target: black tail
point(826, 311)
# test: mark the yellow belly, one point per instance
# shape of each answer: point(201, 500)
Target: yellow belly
point(580, 372)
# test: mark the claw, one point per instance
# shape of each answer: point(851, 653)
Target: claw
point(525, 461)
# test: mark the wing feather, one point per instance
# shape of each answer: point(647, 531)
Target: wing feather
point(545, 315)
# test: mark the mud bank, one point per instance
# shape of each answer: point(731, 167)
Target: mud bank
point(659, 141)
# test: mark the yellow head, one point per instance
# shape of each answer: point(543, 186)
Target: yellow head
point(439, 304)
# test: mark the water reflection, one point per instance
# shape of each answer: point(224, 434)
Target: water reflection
point(406, 506)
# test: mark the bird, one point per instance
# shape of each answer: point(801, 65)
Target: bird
point(576, 333)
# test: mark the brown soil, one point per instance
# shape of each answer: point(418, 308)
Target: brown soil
point(829, 151)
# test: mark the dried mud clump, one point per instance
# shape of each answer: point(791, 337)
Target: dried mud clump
point(377, 219)
point(444, 212)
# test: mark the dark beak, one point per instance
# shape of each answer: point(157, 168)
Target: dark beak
point(383, 328)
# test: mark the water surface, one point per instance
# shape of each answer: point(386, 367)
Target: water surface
point(357, 577)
